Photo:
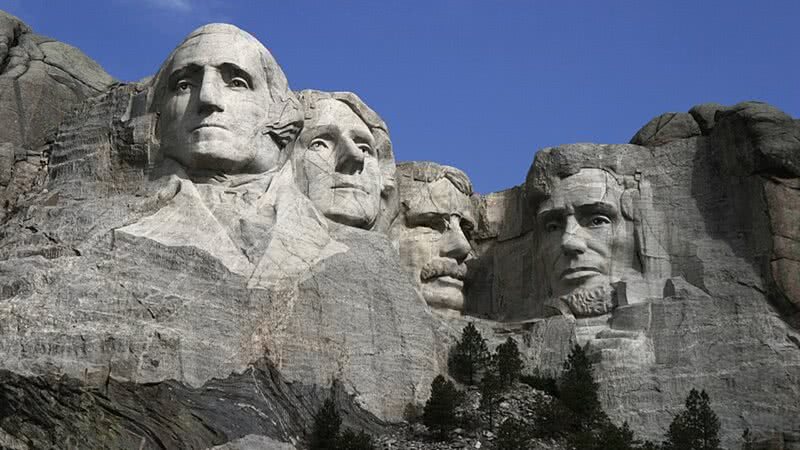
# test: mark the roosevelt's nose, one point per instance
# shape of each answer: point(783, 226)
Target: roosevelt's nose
point(349, 157)
point(572, 241)
point(209, 96)
point(454, 243)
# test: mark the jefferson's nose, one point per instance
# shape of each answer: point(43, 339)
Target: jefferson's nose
point(454, 243)
point(349, 157)
point(572, 242)
point(209, 97)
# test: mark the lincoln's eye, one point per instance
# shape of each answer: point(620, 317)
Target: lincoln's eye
point(552, 226)
point(599, 221)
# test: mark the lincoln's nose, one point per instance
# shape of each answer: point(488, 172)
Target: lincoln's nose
point(572, 243)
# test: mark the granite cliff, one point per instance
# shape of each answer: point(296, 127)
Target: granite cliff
point(201, 258)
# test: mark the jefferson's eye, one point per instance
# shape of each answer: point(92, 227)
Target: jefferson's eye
point(366, 148)
point(183, 85)
point(599, 220)
point(239, 82)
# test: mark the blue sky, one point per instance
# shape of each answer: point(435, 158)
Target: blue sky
point(480, 85)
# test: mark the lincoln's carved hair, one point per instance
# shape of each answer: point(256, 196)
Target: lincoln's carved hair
point(383, 145)
point(283, 119)
point(428, 172)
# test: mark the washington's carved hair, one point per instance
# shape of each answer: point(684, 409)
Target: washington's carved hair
point(283, 118)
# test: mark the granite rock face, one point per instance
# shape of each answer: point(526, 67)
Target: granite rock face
point(191, 268)
point(708, 299)
point(129, 266)
point(40, 81)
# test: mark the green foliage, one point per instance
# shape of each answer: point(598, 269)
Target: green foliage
point(551, 419)
point(469, 356)
point(412, 413)
point(512, 435)
point(578, 391)
point(325, 435)
point(326, 427)
point(541, 382)
point(439, 414)
point(508, 362)
point(694, 428)
point(490, 387)
point(349, 440)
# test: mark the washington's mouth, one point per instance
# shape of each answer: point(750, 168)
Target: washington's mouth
point(209, 125)
point(574, 273)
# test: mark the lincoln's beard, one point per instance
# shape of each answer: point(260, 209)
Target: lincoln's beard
point(588, 302)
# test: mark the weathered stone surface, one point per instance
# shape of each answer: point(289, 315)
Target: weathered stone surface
point(175, 274)
point(143, 267)
point(41, 79)
point(667, 127)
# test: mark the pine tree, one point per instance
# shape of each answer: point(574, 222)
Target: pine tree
point(349, 440)
point(512, 435)
point(508, 362)
point(439, 414)
point(470, 355)
point(578, 391)
point(326, 427)
point(491, 388)
point(696, 427)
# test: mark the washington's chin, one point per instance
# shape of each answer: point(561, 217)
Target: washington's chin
point(444, 293)
point(216, 154)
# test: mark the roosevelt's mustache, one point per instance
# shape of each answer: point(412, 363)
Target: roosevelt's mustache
point(443, 267)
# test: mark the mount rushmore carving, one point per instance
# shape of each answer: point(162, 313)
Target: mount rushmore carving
point(211, 232)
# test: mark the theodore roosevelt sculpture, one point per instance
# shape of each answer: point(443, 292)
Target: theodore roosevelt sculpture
point(433, 229)
point(343, 160)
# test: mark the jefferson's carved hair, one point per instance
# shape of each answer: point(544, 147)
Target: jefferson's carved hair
point(428, 172)
point(383, 146)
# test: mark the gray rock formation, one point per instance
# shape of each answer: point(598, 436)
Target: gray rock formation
point(40, 81)
point(708, 299)
point(198, 260)
point(138, 263)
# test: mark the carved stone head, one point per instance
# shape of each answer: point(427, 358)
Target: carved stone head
point(433, 231)
point(591, 226)
point(223, 103)
point(343, 159)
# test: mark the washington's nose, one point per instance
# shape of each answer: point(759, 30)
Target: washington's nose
point(349, 157)
point(454, 243)
point(209, 97)
point(572, 243)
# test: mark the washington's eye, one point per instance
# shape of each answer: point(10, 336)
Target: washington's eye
point(599, 221)
point(183, 85)
point(239, 82)
point(318, 144)
point(552, 226)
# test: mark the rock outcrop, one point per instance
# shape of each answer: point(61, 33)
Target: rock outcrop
point(181, 272)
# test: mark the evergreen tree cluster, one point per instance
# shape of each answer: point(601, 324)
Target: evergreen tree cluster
point(573, 414)
point(325, 434)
